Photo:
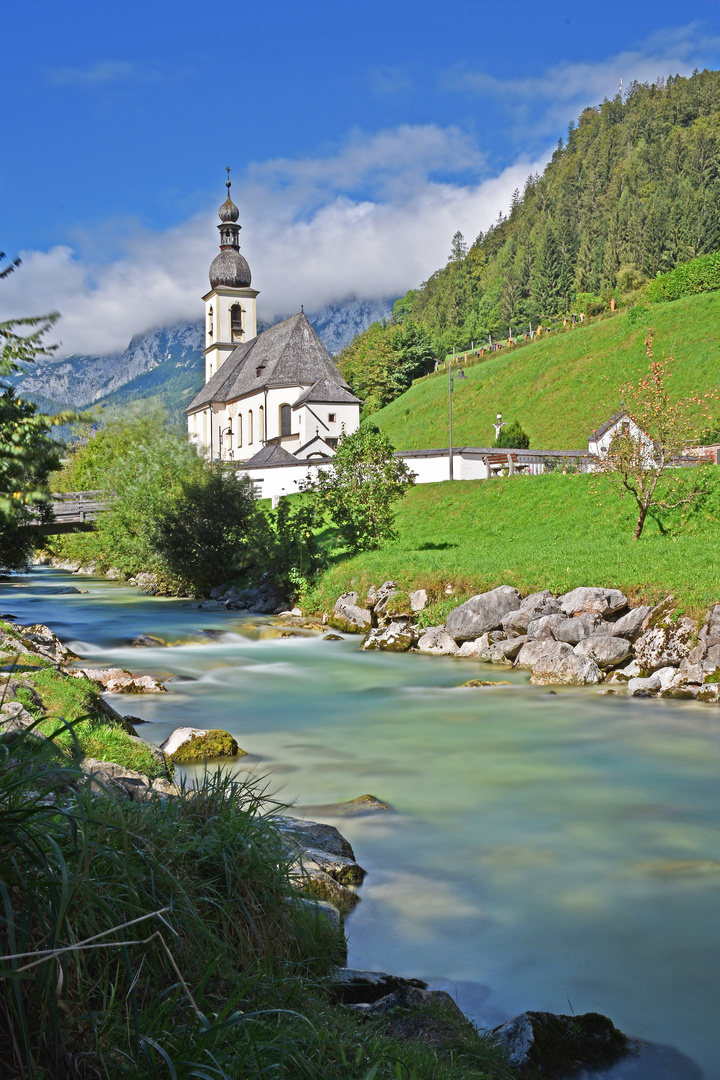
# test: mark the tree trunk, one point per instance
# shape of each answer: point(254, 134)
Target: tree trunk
point(640, 522)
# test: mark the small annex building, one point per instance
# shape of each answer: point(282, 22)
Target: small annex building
point(269, 399)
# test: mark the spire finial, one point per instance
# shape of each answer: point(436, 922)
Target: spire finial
point(227, 182)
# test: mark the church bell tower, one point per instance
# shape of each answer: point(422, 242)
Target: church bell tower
point(230, 306)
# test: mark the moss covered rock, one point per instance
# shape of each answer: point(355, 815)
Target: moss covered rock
point(211, 744)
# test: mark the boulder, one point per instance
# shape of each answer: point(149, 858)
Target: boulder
point(396, 637)
point(347, 615)
point(322, 909)
point(15, 717)
point(352, 986)
point(146, 641)
point(630, 671)
point(664, 642)
point(554, 1046)
point(504, 652)
point(644, 686)
point(534, 651)
point(120, 681)
point(435, 641)
point(601, 601)
point(535, 606)
point(629, 626)
point(332, 637)
point(383, 598)
point(482, 613)
point(344, 870)
point(41, 639)
point(179, 736)
point(414, 998)
point(162, 759)
point(481, 648)
point(710, 693)
point(563, 628)
point(710, 631)
point(418, 600)
point(312, 834)
point(213, 743)
point(107, 777)
point(571, 670)
point(606, 651)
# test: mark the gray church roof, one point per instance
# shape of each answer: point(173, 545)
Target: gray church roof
point(327, 391)
point(288, 354)
point(271, 454)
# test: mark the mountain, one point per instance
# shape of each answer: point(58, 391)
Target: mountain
point(165, 365)
point(633, 191)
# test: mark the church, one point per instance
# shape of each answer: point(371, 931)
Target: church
point(269, 399)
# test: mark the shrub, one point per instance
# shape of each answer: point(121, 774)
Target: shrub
point(512, 437)
point(697, 276)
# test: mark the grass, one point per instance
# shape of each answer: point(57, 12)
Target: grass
point(68, 709)
point(534, 532)
point(181, 952)
point(560, 387)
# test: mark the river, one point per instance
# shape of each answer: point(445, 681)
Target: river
point(544, 851)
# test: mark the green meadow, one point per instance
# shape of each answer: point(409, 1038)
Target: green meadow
point(562, 386)
point(536, 532)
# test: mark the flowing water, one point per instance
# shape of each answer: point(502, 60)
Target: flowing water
point(544, 851)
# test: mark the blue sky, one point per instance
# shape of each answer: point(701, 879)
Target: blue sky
point(360, 137)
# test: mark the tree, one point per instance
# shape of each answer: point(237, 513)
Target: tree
point(646, 463)
point(382, 362)
point(512, 437)
point(359, 491)
point(28, 454)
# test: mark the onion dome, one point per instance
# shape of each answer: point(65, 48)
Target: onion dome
point(230, 268)
point(228, 211)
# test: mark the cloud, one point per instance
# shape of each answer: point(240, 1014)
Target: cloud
point(389, 81)
point(541, 103)
point(370, 220)
point(104, 71)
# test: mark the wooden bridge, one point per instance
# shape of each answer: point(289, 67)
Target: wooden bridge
point(72, 511)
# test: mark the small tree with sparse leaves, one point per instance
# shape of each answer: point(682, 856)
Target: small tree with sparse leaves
point(648, 466)
point(358, 493)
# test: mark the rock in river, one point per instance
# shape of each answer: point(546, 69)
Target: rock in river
point(482, 613)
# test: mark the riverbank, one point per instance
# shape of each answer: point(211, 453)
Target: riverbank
point(539, 847)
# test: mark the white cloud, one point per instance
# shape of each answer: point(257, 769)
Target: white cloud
point(542, 103)
point(104, 71)
point(371, 220)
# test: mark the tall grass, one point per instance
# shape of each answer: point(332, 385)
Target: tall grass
point(165, 940)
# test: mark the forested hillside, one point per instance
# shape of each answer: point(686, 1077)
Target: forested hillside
point(633, 192)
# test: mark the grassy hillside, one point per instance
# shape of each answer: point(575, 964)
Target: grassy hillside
point(535, 532)
point(560, 388)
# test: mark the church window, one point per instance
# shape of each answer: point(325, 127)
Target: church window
point(250, 427)
point(238, 428)
point(210, 324)
point(285, 419)
point(261, 424)
point(331, 417)
point(236, 327)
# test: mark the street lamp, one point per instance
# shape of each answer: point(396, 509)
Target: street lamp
point(228, 431)
point(460, 374)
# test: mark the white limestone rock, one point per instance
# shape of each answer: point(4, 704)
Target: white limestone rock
point(664, 642)
point(570, 670)
point(180, 736)
point(482, 613)
point(534, 651)
point(630, 626)
point(606, 651)
point(418, 600)
point(562, 628)
point(504, 652)
point(435, 641)
point(348, 615)
point(601, 601)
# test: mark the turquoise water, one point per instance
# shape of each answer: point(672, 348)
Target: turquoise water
point(545, 851)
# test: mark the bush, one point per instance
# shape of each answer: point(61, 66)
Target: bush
point(697, 276)
point(590, 303)
point(512, 437)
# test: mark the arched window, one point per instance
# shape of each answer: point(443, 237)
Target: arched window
point(236, 327)
point(250, 428)
point(210, 324)
point(238, 430)
point(261, 424)
point(285, 419)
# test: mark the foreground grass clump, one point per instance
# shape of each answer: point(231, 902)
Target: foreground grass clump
point(561, 387)
point(164, 939)
point(536, 532)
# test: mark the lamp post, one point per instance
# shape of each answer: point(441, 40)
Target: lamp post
point(460, 374)
point(221, 435)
